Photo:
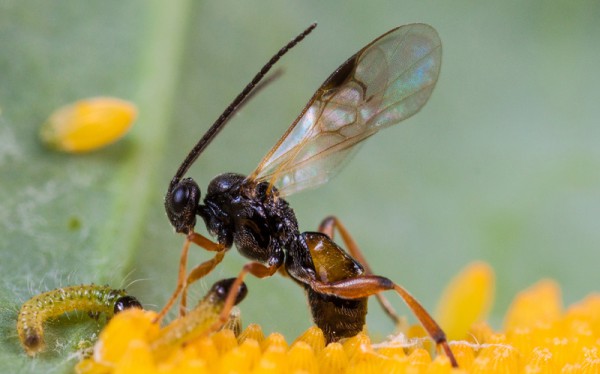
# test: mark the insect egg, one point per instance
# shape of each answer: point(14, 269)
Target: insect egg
point(89, 124)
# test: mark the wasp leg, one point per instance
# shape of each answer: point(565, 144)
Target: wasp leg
point(255, 268)
point(197, 273)
point(327, 227)
point(201, 241)
point(368, 285)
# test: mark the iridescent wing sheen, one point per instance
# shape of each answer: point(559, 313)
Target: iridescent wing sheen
point(384, 83)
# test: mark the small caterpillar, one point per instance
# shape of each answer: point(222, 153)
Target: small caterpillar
point(201, 319)
point(92, 299)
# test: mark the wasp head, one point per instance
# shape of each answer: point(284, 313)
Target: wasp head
point(181, 203)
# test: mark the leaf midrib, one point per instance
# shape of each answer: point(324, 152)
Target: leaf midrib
point(161, 58)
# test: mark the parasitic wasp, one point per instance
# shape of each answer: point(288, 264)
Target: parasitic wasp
point(384, 83)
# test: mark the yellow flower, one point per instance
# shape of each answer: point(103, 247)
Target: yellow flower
point(89, 124)
point(466, 300)
point(538, 337)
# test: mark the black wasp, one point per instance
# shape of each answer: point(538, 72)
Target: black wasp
point(384, 83)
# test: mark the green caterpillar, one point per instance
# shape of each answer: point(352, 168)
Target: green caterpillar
point(202, 318)
point(92, 299)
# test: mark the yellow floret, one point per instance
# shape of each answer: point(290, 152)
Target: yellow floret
point(538, 338)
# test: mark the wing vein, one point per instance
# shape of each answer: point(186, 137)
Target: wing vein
point(384, 83)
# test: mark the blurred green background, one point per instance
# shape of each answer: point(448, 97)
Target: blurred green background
point(502, 165)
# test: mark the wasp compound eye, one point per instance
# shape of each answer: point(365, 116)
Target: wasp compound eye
point(221, 290)
point(181, 203)
point(126, 302)
point(179, 198)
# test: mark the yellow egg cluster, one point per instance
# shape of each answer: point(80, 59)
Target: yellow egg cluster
point(539, 337)
point(126, 347)
point(89, 124)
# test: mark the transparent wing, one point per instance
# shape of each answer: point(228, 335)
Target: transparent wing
point(384, 83)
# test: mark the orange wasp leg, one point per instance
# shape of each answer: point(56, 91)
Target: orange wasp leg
point(368, 285)
point(197, 273)
point(201, 270)
point(327, 227)
point(255, 268)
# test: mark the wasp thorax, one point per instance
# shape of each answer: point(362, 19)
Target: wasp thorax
point(224, 183)
point(181, 202)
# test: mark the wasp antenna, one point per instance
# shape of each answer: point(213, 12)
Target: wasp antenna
point(224, 117)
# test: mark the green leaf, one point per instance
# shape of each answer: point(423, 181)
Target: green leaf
point(71, 219)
